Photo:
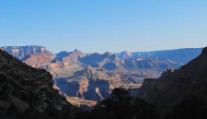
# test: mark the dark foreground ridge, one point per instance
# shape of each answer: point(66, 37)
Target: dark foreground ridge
point(27, 93)
point(180, 92)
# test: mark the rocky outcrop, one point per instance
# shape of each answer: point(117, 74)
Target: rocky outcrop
point(27, 93)
point(182, 84)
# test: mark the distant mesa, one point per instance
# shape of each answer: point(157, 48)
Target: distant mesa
point(23, 52)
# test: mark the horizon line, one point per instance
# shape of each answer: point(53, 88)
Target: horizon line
point(76, 49)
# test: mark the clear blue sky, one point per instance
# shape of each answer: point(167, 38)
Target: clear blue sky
point(104, 25)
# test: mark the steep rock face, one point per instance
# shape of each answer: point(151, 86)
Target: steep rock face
point(91, 84)
point(187, 82)
point(65, 64)
point(26, 92)
point(39, 60)
point(63, 69)
point(24, 52)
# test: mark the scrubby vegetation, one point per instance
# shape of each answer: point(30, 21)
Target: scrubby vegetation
point(121, 106)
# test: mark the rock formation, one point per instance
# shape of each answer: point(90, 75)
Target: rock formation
point(93, 76)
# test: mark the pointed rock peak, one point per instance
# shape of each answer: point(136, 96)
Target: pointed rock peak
point(107, 53)
point(128, 53)
point(204, 51)
point(62, 54)
point(76, 51)
point(89, 69)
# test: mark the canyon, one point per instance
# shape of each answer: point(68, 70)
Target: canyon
point(85, 78)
